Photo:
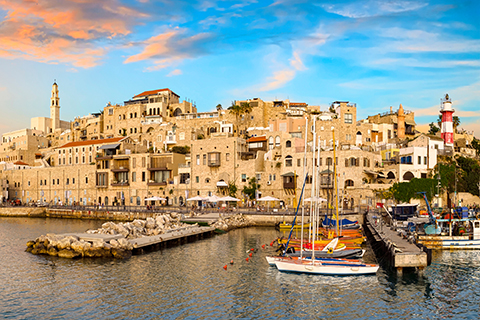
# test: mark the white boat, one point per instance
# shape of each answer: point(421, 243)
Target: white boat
point(325, 259)
point(471, 240)
point(318, 267)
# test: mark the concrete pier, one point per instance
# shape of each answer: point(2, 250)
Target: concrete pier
point(388, 244)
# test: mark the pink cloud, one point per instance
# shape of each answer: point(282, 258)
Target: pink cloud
point(170, 46)
point(56, 31)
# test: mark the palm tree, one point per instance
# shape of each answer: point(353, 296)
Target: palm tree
point(235, 110)
point(456, 123)
point(246, 110)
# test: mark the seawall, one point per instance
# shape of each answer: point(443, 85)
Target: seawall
point(261, 220)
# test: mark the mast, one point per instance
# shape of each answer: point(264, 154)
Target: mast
point(335, 185)
point(303, 200)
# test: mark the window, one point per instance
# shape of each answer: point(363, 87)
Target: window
point(198, 159)
point(134, 176)
point(288, 144)
point(288, 161)
point(86, 180)
point(244, 177)
point(143, 176)
point(110, 111)
point(425, 160)
point(270, 143)
point(419, 160)
point(73, 180)
point(277, 141)
point(53, 182)
point(227, 157)
point(68, 181)
point(58, 181)
point(299, 162)
point(204, 159)
point(348, 118)
point(197, 179)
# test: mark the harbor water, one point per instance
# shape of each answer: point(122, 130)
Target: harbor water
point(189, 282)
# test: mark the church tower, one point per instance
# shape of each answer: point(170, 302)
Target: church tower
point(55, 108)
point(401, 123)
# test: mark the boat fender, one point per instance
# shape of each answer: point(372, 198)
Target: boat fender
point(250, 255)
point(231, 262)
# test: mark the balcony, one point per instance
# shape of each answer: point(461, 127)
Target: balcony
point(160, 164)
point(156, 183)
point(289, 185)
point(213, 159)
point(170, 140)
point(116, 183)
point(120, 165)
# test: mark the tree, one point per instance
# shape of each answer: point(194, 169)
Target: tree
point(433, 129)
point(405, 191)
point(236, 110)
point(456, 123)
point(232, 189)
point(251, 189)
point(181, 149)
point(219, 107)
point(476, 145)
point(468, 175)
point(246, 109)
point(439, 120)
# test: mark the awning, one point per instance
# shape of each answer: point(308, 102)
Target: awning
point(326, 171)
point(289, 174)
point(110, 146)
point(411, 123)
point(370, 172)
point(222, 184)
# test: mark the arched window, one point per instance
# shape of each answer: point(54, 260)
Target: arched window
point(277, 141)
point(408, 176)
point(106, 201)
point(288, 144)
point(207, 180)
point(390, 175)
point(288, 161)
point(349, 183)
point(270, 143)
point(138, 201)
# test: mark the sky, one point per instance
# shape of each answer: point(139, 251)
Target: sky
point(375, 53)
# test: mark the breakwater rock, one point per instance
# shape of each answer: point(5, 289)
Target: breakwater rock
point(233, 222)
point(111, 240)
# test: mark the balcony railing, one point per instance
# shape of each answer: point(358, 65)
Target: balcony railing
point(214, 163)
point(289, 185)
point(115, 183)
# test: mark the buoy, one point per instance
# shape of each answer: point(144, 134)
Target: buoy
point(263, 246)
point(231, 262)
point(225, 267)
point(246, 259)
point(250, 254)
point(251, 249)
point(271, 244)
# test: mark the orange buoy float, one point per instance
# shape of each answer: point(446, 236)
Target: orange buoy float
point(231, 262)
point(250, 254)
point(246, 259)
point(225, 267)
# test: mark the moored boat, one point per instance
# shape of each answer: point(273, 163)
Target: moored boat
point(322, 268)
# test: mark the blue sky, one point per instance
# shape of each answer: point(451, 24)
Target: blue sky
point(374, 53)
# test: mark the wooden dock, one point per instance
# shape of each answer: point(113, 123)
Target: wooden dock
point(389, 244)
point(175, 237)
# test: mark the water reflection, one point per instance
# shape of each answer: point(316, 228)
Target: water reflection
point(189, 282)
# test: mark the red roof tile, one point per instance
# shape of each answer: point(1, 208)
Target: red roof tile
point(257, 139)
point(21, 163)
point(151, 92)
point(91, 142)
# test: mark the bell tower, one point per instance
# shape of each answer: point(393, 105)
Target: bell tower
point(55, 108)
point(401, 123)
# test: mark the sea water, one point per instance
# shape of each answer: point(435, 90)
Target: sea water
point(190, 282)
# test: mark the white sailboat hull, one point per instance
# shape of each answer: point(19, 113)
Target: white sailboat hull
point(318, 268)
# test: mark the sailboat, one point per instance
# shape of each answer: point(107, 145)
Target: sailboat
point(314, 266)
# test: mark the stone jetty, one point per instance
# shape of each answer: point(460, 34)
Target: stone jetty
point(117, 240)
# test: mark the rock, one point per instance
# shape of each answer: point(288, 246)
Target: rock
point(139, 223)
point(30, 244)
point(150, 224)
point(52, 251)
point(121, 253)
point(68, 254)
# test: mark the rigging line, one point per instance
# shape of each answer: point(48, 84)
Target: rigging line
point(295, 218)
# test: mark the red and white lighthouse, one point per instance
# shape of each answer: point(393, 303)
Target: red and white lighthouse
point(447, 121)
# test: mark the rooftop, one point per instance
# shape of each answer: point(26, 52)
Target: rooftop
point(152, 92)
point(91, 142)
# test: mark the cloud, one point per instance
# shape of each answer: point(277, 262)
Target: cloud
point(278, 79)
point(369, 8)
point(175, 72)
point(170, 46)
point(56, 31)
